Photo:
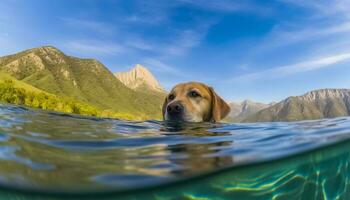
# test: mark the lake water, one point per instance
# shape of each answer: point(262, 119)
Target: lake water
point(47, 155)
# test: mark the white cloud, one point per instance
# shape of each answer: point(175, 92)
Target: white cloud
point(91, 25)
point(150, 12)
point(148, 18)
point(93, 47)
point(159, 66)
point(323, 7)
point(168, 75)
point(184, 41)
point(322, 24)
point(139, 43)
point(282, 71)
point(179, 44)
point(223, 5)
point(159, 12)
point(280, 37)
point(228, 6)
point(324, 30)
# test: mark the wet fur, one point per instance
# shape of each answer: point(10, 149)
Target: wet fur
point(209, 107)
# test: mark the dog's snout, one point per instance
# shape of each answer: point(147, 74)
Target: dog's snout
point(175, 108)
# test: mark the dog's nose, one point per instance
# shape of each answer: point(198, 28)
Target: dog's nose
point(175, 108)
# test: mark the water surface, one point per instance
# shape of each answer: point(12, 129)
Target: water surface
point(59, 153)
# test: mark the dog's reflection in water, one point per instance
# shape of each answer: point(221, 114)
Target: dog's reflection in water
point(199, 154)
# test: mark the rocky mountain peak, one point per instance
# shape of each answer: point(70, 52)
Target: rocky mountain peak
point(139, 67)
point(240, 110)
point(316, 104)
point(137, 77)
point(246, 102)
point(45, 50)
point(50, 54)
point(326, 94)
point(49, 48)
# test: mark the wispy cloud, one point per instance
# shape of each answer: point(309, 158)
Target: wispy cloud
point(90, 25)
point(223, 5)
point(159, 66)
point(179, 44)
point(168, 75)
point(151, 18)
point(227, 6)
point(280, 37)
point(93, 47)
point(139, 44)
point(184, 41)
point(282, 71)
point(150, 12)
point(159, 12)
point(324, 8)
point(322, 33)
point(315, 27)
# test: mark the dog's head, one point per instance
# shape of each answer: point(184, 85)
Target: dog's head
point(194, 102)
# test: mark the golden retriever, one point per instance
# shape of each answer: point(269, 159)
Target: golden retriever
point(194, 102)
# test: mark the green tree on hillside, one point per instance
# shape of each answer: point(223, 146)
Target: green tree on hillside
point(10, 94)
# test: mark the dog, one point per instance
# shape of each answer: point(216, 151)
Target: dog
point(194, 102)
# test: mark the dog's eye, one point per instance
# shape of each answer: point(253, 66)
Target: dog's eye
point(171, 97)
point(194, 94)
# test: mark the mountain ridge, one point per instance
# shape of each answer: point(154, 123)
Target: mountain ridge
point(139, 94)
point(88, 80)
point(241, 110)
point(316, 104)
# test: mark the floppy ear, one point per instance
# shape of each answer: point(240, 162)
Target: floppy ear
point(164, 107)
point(219, 108)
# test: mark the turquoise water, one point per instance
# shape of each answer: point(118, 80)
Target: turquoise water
point(46, 155)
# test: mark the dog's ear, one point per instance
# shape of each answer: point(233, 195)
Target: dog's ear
point(219, 108)
point(164, 107)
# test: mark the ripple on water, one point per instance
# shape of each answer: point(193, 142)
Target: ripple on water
point(54, 150)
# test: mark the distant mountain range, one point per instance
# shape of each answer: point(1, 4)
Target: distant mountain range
point(240, 111)
point(86, 80)
point(324, 103)
point(135, 94)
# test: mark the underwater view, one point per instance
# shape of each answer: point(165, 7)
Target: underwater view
point(53, 155)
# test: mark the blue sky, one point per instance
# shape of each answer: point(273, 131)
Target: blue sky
point(258, 50)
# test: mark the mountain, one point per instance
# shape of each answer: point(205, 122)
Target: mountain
point(139, 78)
point(324, 103)
point(86, 80)
point(18, 84)
point(240, 111)
point(17, 92)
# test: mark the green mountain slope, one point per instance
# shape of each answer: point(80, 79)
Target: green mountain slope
point(18, 84)
point(16, 92)
point(325, 103)
point(86, 80)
